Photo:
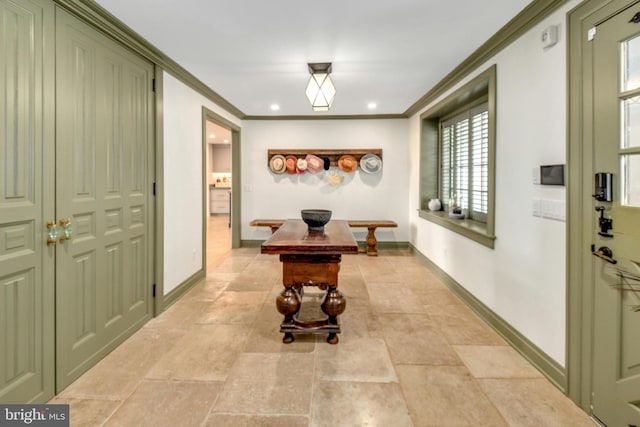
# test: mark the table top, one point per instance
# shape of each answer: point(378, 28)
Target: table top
point(294, 238)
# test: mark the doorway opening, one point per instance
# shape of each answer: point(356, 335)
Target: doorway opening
point(221, 151)
point(219, 180)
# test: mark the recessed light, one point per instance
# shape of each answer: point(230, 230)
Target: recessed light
point(212, 136)
point(372, 105)
point(274, 107)
point(226, 141)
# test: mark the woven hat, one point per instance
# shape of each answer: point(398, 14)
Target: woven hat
point(291, 162)
point(371, 163)
point(314, 163)
point(301, 165)
point(277, 164)
point(347, 163)
point(335, 179)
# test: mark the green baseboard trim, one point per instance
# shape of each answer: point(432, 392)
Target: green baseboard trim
point(538, 358)
point(180, 290)
point(361, 244)
point(251, 243)
point(387, 245)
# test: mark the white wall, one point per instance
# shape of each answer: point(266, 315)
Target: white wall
point(183, 180)
point(361, 195)
point(523, 278)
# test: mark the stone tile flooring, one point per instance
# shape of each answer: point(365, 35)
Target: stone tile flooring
point(410, 354)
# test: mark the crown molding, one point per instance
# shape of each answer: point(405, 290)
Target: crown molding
point(98, 17)
point(511, 31)
point(330, 117)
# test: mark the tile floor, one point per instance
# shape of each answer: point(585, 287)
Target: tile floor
point(410, 354)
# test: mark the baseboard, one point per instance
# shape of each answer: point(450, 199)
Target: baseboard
point(388, 245)
point(251, 243)
point(180, 290)
point(538, 358)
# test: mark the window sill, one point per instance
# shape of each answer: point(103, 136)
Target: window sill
point(474, 230)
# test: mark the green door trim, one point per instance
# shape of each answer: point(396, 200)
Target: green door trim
point(580, 295)
point(236, 183)
point(158, 255)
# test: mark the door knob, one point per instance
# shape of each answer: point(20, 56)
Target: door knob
point(605, 253)
point(52, 233)
point(67, 230)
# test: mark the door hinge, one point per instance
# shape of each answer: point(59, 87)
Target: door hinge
point(153, 292)
point(153, 85)
point(154, 188)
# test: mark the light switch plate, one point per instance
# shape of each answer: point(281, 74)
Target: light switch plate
point(535, 207)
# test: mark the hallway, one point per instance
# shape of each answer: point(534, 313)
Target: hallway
point(410, 354)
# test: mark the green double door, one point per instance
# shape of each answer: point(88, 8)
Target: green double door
point(76, 150)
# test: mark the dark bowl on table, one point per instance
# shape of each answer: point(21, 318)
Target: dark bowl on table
point(315, 218)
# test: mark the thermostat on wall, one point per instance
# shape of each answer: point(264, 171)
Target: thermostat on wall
point(552, 175)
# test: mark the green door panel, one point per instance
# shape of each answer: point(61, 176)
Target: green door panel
point(104, 133)
point(26, 202)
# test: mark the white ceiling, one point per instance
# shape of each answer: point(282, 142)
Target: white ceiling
point(217, 134)
point(254, 53)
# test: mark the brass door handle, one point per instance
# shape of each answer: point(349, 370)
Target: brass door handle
point(606, 254)
point(67, 230)
point(52, 233)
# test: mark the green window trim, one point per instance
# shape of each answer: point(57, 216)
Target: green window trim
point(478, 90)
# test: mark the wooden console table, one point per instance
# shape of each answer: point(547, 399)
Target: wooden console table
point(310, 259)
point(369, 224)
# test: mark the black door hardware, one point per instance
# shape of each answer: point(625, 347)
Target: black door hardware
point(605, 223)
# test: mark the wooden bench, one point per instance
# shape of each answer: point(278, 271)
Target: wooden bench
point(370, 225)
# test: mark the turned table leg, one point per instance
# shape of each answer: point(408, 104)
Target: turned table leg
point(333, 305)
point(288, 304)
point(372, 242)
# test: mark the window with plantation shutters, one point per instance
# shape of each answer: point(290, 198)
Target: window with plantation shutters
point(458, 157)
point(464, 174)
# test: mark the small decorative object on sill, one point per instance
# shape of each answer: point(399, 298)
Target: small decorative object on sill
point(455, 215)
point(434, 205)
point(455, 211)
